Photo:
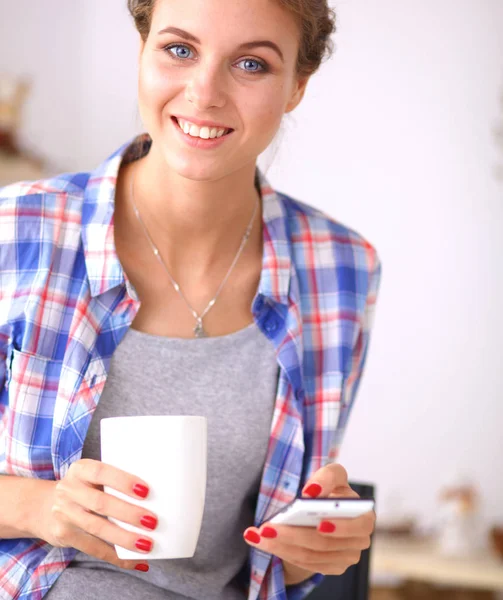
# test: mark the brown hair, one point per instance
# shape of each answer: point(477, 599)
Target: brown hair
point(315, 18)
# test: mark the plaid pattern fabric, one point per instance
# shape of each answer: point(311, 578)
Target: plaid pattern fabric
point(66, 303)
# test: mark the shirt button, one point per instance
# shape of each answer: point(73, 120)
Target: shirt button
point(271, 324)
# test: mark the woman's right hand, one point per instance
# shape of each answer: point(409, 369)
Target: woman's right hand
point(74, 510)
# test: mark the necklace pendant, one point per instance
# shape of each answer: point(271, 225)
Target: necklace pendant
point(199, 330)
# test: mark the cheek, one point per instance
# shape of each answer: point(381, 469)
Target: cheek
point(266, 106)
point(154, 85)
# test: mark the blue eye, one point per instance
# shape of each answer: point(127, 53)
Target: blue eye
point(260, 64)
point(262, 67)
point(176, 55)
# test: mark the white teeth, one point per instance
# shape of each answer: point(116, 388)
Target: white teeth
point(202, 132)
point(194, 131)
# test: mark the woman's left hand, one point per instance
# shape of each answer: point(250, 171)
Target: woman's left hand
point(329, 549)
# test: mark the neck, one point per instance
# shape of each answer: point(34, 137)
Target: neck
point(195, 224)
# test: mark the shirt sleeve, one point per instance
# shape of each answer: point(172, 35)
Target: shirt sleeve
point(3, 364)
point(304, 588)
point(358, 356)
point(5, 295)
point(5, 232)
point(4, 409)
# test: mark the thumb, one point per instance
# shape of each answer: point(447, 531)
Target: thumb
point(326, 481)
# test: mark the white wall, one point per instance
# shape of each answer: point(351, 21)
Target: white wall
point(416, 89)
point(395, 134)
point(42, 40)
point(81, 58)
point(109, 89)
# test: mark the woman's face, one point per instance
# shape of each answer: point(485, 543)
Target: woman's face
point(216, 78)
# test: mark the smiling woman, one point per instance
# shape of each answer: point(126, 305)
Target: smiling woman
point(174, 280)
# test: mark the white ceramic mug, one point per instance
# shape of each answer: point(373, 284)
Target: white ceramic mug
point(169, 453)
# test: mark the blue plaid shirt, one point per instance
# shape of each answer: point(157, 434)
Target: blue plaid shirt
point(66, 303)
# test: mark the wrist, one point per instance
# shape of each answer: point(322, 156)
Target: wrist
point(294, 575)
point(22, 502)
point(36, 506)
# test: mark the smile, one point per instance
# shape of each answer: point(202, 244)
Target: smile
point(204, 133)
point(196, 135)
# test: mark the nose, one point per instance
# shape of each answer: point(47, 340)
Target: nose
point(205, 88)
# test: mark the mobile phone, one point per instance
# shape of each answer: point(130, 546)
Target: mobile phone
point(309, 512)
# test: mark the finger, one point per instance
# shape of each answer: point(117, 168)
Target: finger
point(100, 473)
point(99, 502)
point(312, 539)
point(306, 558)
point(326, 480)
point(343, 492)
point(337, 563)
point(92, 546)
point(356, 527)
point(101, 528)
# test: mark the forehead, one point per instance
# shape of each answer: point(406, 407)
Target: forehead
point(229, 22)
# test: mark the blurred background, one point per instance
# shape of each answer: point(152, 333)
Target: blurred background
point(400, 137)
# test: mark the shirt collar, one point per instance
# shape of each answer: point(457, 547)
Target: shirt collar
point(102, 263)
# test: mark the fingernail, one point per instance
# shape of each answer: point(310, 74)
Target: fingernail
point(140, 490)
point(313, 490)
point(142, 567)
point(327, 527)
point(268, 532)
point(145, 545)
point(149, 522)
point(252, 537)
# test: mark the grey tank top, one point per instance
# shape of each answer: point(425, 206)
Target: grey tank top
point(232, 381)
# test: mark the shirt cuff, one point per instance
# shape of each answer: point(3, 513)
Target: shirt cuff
point(302, 589)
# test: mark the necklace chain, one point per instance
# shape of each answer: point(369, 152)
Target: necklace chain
point(198, 329)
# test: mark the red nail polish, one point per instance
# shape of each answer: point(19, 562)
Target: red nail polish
point(149, 522)
point(252, 537)
point(145, 545)
point(314, 490)
point(269, 532)
point(327, 527)
point(142, 567)
point(140, 490)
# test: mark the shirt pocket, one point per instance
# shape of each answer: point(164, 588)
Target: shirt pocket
point(32, 392)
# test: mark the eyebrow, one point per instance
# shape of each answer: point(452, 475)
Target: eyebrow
point(246, 46)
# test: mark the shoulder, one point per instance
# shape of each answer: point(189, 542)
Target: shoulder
point(329, 242)
point(68, 184)
point(56, 199)
point(37, 216)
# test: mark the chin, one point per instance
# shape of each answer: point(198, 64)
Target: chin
point(194, 169)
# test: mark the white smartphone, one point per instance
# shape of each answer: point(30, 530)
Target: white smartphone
point(309, 512)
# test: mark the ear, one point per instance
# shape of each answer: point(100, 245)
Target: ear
point(297, 93)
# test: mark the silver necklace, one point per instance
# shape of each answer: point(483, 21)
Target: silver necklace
point(199, 331)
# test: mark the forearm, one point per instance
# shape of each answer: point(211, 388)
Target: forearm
point(20, 500)
point(294, 575)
